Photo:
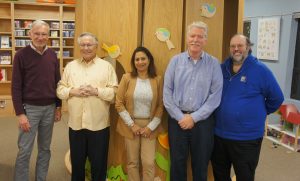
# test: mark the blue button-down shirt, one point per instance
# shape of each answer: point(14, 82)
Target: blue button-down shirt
point(191, 86)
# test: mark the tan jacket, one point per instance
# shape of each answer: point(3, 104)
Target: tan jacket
point(124, 101)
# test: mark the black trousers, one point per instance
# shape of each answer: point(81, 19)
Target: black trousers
point(92, 145)
point(197, 141)
point(243, 155)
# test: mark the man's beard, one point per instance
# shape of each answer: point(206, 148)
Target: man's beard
point(238, 60)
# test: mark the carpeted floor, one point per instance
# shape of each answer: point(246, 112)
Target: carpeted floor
point(276, 164)
point(8, 151)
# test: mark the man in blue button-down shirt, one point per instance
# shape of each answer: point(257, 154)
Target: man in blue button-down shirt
point(192, 91)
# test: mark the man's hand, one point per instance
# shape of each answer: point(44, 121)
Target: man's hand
point(145, 132)
point(24, 123)
point(187, 122)
point(57, 114)
point(78, 92)
point(91, 91)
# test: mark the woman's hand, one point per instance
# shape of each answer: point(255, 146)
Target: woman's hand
point(145, 132)
point(135, 129)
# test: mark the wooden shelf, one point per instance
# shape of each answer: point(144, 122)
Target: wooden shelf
point(32, 18)
point(5, 49)
point(5, 66)
point(12, 22)
point(5, 33)
point(275, 126)
point(21, 36)
point(5, 82)
point(5, 17)
point(5, 96)
point(277, 133)
point(274, 140)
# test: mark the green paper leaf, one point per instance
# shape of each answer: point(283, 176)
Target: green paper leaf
point(161, 161)
point(88, 169)
point(116, 173)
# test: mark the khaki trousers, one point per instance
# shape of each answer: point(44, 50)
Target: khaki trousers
point(143, 149)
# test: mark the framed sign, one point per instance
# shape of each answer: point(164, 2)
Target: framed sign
point(268, 38)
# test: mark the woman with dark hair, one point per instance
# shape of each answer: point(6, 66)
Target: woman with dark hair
point(139, 104)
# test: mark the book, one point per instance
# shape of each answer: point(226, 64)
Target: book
point(27, 24)
point(5, 58)
point(19, 32)
point(54, 25)
point(55, 43)
point(17, 24)
point(3, 75)
point(66, 34)
point(66, 53)
point(22, 42)
point(54, 33)
point(4, 42)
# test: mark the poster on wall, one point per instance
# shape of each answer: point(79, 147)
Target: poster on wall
point(268, 38)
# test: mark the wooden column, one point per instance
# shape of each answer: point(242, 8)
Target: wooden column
point(215, 24)
point(113, 22)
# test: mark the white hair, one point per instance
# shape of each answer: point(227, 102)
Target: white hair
point(89, 35)
point(40, 23)
point(198, 24)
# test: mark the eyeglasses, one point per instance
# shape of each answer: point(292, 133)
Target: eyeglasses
point(40, 34)
point(236, 46)
point(89, 46)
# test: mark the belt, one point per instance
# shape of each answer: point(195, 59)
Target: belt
point(187, 112)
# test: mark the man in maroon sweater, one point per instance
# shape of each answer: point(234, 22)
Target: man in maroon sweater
point(34, 79)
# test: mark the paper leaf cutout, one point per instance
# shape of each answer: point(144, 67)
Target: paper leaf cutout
point(163, 164)
point(88, 174)
point(161, 161)
point(116, 174)
point(163, 140)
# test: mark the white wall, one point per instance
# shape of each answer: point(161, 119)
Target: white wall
point(283, 68)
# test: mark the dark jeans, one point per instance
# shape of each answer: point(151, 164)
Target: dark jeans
point(243, 155)
point(92, 145)
point(197, 141)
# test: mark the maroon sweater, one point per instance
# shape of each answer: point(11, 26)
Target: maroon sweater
point(34, 79)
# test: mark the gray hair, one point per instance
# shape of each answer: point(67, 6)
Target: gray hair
point(248, 41)
point(89, 35)
point(198, 24)
point(40, 23)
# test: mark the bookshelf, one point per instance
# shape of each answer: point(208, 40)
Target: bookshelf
point(283, 128)
point(15, 22)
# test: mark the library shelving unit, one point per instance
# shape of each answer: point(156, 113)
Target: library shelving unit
point(15, 22)
point(283, 127)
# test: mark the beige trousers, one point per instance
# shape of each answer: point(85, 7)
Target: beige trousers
point(143, 149)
